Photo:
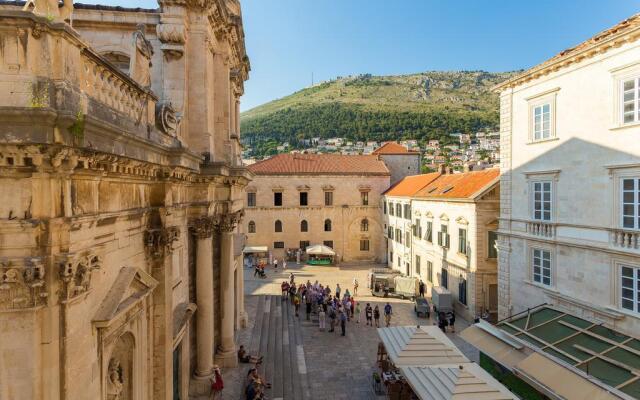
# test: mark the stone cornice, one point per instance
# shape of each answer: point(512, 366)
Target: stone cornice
point(588, 49)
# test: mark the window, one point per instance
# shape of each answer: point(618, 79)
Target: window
point(407, 211)
point(399, 210)
point(328, 243)
point(630, 288)
point(304, 226)
point(462, 241)
point(430, 271)
point(278, 245)
point(251, 199)
point(364, 245)
point(390, 233)
point(252, 227)
point(631, 203)
point(407, 239)
point(429, 236)
point(304, 244)
point(327, 225)
point(399, 263)
point(398, 236)
point(443, 236)
point(278, 226)
point(391, 212)
point(542, 266)
point(364, 197)
point(277, 199)
point(328, 198)
point(492, 251)
point(462, 290)
point(417, 229)
point(542, 201)
point(304, 198)
point(444, 278)
point(384, 208)
point(391, 256)
point(364, 225)
point(542, 121)
point(630, 100)
point(417, 264)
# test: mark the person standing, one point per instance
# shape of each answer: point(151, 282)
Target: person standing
point(321, 318)
point(307, 301)
point(376, 316)
point(296, 303)
point(452, 320)
point(421, 287)
point(332, 318)
point(338, 290)
point(343, 322)
point(368, 313)
point(355, 286)
point(275, 263)
point(284, 265)
point(387, 314)
point(358, 312)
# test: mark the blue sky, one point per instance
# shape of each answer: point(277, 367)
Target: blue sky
point(288, 40)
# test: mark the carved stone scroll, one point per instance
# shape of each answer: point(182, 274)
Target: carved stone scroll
point(159, 242)
point(75, 273)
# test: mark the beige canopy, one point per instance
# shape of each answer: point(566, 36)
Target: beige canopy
point(320, 250)
point(419, 346)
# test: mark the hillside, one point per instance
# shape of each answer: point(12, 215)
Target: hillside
point(418, 106)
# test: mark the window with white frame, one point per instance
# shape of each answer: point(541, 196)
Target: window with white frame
point(542, 122)
point(542, 200)
point(630, 288)
point(630, 100)
point(630, 203)
point(541, 261)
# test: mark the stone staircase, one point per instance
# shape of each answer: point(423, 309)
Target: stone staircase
point(276, 336)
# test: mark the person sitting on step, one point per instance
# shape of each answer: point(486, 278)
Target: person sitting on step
point(243, 357)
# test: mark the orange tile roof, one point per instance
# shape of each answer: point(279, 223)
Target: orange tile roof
point(460, 186)
point(411, 185)
point(310, 164)
point(393, 148)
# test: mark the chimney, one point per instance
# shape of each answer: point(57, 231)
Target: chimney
point(442, 169)
point(449, 170)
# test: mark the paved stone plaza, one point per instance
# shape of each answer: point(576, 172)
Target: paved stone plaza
point(302, 362)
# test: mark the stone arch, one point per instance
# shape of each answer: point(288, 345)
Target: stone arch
point(252, 227)
point(364, 225)
point(277, 226)
point(120, 369)
point(304, 226)
point(327, 225)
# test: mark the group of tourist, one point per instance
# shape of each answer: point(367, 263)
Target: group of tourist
point(339, 308)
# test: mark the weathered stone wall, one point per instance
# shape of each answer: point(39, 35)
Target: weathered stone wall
point(401, 165)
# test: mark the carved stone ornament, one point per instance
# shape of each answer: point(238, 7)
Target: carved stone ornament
point(115, 380)
point(50, 9)
point(159, 242)
point(228, 222)
point(75, 273)
point(167, 118)
point(202, 227)
point(22, 284)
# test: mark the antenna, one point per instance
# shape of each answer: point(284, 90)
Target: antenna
point(311, 78)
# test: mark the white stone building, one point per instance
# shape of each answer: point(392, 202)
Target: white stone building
point(570, 186)
point(442, 229)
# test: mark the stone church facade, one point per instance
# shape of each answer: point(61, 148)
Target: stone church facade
point(121, 197)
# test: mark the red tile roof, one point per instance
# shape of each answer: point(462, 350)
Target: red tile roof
point(411, 185)
point(310, 164)
point(460, 186)
point(393, 148)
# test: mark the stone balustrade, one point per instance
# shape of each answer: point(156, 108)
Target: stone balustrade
point(542, 229)
point(625, 239)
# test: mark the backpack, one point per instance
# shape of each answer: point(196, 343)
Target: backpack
point(332, 314)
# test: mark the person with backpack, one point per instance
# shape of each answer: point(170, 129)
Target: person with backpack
point(376, 316)
point(368, 313)
point(387, 314)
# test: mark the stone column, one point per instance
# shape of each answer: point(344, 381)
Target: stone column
point(203, 229)
point(226, 354)
point(242, 315)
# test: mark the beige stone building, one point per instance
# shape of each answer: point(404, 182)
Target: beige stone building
point(442, 228)
point(570, 189)
point(120, 199)
point(296, 200)
point(400, 160)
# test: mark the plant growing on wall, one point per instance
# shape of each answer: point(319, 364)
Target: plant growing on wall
point(77, 128)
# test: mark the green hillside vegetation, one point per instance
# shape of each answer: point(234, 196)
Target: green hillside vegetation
point(421, 106)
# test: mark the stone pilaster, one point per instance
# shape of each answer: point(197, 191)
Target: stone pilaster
point(226, 224)
point(504, 245)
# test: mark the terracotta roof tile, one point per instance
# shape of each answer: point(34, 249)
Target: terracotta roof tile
point(393, 148)
point(411, 185)
point(459, 186)
point(305, 164)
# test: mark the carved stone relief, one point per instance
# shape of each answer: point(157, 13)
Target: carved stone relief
point(167, 119)
point(159, 242)
point(75, 273)
point(22, 284)
point(227, 222)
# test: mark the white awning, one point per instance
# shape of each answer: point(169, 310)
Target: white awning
point(424, 346)
point(255, 249)
point(320, 250)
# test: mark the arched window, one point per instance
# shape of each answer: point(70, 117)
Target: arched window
point(252, 227)
point(327, 225)
point(304, 226)
point(364, 225)
point(119, 60)
point(278, 226)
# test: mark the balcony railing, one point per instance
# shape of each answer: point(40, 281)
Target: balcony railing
point(625, 239)
point(542, 229)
